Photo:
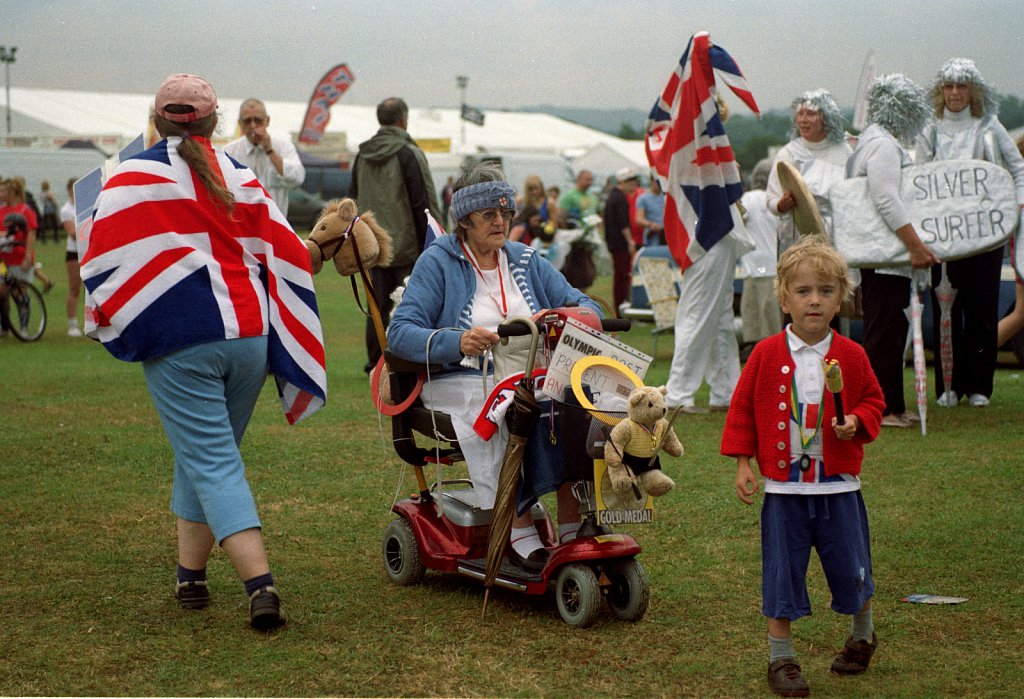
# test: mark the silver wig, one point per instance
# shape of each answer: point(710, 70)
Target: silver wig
point(820, 101)
point(963, 70)
point(898, 105)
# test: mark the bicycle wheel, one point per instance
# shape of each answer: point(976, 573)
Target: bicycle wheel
point(26, 311)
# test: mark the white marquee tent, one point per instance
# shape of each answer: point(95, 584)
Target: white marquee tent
point(54, 114)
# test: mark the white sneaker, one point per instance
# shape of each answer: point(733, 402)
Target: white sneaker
point(74, 331)
point(977, 400)
point(949, 399)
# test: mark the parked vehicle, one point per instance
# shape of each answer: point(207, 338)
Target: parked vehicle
point(328, 179)
point(304, 209)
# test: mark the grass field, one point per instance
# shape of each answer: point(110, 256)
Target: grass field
point(88, 556)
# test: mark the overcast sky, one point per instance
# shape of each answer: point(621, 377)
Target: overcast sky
point(574, 53)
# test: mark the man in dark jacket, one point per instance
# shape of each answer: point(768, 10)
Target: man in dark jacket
point(618, 232)
point(391, 177)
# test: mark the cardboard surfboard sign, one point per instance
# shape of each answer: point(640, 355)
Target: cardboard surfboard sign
point(959, 208)
point(806, 216)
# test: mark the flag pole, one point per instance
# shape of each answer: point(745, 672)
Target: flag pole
point(462, 81)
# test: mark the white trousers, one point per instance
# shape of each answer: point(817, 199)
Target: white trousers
point(462, 397)
point(705, 341)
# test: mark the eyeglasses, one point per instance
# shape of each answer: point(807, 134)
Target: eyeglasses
point(489, 215)
point(256, 121)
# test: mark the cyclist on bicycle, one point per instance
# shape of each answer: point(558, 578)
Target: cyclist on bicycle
point(18, 236)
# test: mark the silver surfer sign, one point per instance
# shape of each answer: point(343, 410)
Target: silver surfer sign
point(959, 208)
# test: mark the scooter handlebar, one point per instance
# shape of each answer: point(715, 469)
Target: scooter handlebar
point(515, 328)
point(614, 325)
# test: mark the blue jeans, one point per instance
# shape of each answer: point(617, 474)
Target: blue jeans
point(205, 395)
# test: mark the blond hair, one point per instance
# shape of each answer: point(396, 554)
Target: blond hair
point(822, 259)
point(977, 100)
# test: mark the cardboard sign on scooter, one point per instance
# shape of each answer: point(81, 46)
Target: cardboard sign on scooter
point(578, 341)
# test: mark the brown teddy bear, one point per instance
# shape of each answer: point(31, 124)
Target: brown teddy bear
point(631, 452)
point(328, 239)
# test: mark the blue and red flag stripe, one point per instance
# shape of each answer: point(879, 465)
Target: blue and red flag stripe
point(688, 149)
point(160, 245)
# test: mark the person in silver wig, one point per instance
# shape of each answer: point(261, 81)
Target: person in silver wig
point(966, 128)
point(818, 150)
point(897, 110)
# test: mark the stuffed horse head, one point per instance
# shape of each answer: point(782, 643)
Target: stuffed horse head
point(339, 231)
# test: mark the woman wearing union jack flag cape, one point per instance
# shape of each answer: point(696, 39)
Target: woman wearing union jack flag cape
point(192, 270)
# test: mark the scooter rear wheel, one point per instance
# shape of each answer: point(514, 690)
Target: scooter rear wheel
point(630, 591)
point(578, 595)
point(401, 555)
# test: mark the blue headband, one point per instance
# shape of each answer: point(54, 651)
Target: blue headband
point(486, 195)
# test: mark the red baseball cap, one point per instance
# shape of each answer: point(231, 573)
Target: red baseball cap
point(191, 90)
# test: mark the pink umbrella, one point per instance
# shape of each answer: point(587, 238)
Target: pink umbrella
point(945, 294)
point(920, 369)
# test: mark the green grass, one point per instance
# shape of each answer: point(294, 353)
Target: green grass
point(89, 553)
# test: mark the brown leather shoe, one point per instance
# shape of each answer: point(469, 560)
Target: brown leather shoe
point(855, 656)
point(785, 679)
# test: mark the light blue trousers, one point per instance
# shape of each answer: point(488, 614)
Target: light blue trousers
point(205, 395)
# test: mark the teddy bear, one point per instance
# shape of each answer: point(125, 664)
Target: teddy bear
point(327, 240)
point(631, 452)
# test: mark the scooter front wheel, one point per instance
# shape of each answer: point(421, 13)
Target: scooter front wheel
point(629, 592)
point(578, 595)
point(401, 555)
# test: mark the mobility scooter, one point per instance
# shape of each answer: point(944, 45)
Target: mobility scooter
point(440, 528)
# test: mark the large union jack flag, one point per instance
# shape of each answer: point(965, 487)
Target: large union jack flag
point(689, 150)
point(328, 91)
point(166, 269)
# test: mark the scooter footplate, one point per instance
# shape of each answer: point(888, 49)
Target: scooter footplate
point(509, 574)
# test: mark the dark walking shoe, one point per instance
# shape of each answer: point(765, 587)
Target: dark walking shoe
point(194, 594)
point(855, 656)
point(785, 679)
point(265, 609)
point(534, 563)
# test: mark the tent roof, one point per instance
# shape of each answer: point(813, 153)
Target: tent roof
point(73, 112)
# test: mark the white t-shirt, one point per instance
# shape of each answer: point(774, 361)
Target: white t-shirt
point(67, 213)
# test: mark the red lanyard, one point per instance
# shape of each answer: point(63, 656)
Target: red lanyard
point(503, 307)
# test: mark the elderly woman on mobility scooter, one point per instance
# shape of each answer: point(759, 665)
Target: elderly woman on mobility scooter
point(462, 287)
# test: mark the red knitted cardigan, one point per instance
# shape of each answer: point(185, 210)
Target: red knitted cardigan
point(759, 413)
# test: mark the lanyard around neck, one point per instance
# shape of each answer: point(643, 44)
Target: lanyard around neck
point(794, 406)
point(503, 306)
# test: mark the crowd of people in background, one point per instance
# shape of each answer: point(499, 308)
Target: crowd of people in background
point(501, 261)
point(391, 177)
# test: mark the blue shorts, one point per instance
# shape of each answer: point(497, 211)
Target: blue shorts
point(205, 395)
point(837, 526)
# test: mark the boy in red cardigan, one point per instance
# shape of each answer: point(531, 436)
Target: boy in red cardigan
point(779, 415)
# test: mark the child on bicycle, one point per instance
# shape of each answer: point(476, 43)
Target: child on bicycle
point(18, 234)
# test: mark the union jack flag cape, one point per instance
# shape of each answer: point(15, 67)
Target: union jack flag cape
point(689, 150)
point(165, 268)
point(328, 91)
